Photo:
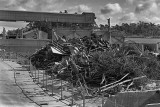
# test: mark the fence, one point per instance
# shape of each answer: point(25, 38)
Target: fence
point(54, 86)
point(66, 92)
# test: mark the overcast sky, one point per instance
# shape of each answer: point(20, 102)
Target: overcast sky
point(118, 10)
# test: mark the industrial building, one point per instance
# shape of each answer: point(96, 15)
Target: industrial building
point(61, 24)
point(150, 44)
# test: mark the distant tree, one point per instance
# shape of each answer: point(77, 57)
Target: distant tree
point(141, 28)
point(102, 27)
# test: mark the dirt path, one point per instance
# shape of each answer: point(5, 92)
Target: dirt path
point(10, 93)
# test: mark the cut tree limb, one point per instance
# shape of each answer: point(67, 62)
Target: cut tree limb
point(119, 83)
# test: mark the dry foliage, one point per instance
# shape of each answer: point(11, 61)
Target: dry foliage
point(92, 63)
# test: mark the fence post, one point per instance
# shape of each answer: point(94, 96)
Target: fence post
point(35, 74)
point(84, 102)
point(38, 76)
point(72, 96)
point(61, 91)
point(9, 56)
point(115, 103)
point(102, 99)
point(83, 98)
point(43, 78)
point(16, 57)
point(30, 65)
point(52, 83)
point(46, 82)
point(3, 55)
point(31, 69)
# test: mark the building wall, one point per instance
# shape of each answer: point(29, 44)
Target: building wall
point(8, 15)
point(22, 45)
point(70, 33)
point(153, 42)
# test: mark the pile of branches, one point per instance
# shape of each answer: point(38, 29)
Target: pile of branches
point(91, 63)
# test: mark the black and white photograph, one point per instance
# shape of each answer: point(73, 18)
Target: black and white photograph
point(79, 53)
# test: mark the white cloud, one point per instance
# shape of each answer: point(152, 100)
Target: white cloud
point(21, 8)
point(102, 17)
point(148, 11)
point(79, 9)
point(6, 28)
point(11, 25)
point(148, 7)
point(130, 17)
point(111, 9)
point(154, 19)
point(31, 5)
point(130, 1)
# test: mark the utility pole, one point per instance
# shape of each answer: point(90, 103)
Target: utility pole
point(109, 30)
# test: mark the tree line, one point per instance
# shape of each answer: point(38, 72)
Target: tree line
point(146, 29)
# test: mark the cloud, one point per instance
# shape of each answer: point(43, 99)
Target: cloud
point(154, 19)
point(137, 1)
point(79, 9)
point(130, 1)
point(130, 17)
point(111, 9)
point(31, 5)
point(147, 6)
point(11, 25)
point(102, 17)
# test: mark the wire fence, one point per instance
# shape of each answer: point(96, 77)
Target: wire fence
point(58, 88)
point(64, 90)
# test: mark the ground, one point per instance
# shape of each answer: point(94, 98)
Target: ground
point(10, 94)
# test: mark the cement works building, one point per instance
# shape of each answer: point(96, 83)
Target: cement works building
point(7, 15)
point(64, 24)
